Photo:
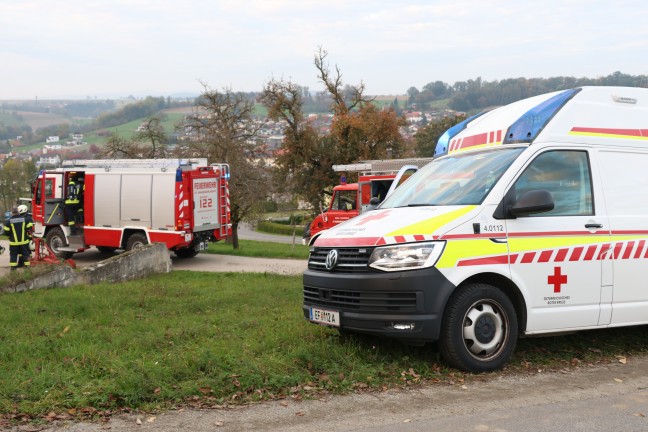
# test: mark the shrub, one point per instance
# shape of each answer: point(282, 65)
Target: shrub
point(274, 227)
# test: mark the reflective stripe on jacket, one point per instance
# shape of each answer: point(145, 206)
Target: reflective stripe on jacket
point(17, 229)
point(72, 193)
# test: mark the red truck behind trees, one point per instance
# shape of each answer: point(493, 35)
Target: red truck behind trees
point(376, 180)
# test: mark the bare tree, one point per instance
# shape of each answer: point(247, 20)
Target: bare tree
point(152, 132)
point(148, 143)
point(222, 130)
point(118, 148)
point(345, 98)
point(360, 130)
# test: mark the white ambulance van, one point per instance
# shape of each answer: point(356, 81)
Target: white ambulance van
point(532, 220)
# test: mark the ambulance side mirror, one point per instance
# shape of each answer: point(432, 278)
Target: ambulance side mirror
point(531, 202)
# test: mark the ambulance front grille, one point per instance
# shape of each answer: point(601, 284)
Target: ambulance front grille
point(350, 260)
point(361, 301)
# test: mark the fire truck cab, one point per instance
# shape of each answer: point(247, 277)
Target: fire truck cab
point(376, 180)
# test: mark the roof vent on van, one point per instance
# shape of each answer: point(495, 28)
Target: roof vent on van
point(441, 148)
point(526, 128)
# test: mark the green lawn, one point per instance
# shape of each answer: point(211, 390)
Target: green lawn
point(163, 340)
point(205, 339)
point(251, 248)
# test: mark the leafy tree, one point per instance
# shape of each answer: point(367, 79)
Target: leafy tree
point(303, 163)
point(15, 181)
point(222, 130)
point(359, 130)
point(426, 138)
point(412, 94)
point(369, 133)
point(148, 107)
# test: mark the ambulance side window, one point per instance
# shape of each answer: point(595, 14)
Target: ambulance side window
point(564, 173)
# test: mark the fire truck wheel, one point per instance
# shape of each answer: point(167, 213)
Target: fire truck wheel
point(479, 329)
point(135, 241)
point(186, 252)
point(55, 239)
point(106, 249)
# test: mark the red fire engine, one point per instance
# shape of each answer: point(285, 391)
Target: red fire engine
point(376, 180)
point(127, 203)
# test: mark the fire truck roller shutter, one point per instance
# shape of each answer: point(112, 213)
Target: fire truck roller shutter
point(135, 200)
point(106, 195)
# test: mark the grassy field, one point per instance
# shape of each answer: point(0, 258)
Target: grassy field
point(192, 339)
point(251, 248)
point(205, 339)
point(126, 131)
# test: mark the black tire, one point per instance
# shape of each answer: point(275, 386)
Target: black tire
point(135, 241)
point(55, 239)
point(186, 252)
point(106, 249)
point(479, 329)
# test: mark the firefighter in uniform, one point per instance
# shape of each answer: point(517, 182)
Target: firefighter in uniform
point(18, 228)
point(72, 204)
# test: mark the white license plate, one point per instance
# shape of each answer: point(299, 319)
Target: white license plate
point(323, 316)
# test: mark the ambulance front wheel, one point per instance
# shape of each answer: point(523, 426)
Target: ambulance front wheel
point(55, 239)
point(479, 329)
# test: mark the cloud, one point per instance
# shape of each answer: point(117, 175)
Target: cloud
point(128, 46)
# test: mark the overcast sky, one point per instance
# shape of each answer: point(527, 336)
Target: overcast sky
point(117, 48)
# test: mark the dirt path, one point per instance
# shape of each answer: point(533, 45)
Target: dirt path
point(602, 398)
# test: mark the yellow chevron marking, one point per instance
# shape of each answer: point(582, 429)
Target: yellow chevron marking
point(429, 226)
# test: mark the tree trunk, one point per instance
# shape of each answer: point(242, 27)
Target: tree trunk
point(235, 242)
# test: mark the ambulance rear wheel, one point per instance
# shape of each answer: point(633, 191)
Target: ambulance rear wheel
point(55, 239)
point(136, 241)
point(479, 329)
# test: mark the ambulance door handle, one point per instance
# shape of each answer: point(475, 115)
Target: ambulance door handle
point(593, 225)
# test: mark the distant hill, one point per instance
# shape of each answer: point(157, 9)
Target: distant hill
point(37, 120)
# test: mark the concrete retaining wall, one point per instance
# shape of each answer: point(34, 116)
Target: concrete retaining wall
point(150, 259)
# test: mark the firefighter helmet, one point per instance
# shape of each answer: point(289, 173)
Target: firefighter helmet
point(22, 209)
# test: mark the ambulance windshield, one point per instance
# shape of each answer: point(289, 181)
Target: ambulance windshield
point(464, 179)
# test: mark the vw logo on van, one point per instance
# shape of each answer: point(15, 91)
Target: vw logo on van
point(331, 259)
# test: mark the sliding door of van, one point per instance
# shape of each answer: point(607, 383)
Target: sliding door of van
point(557, 257)
point(625, 179)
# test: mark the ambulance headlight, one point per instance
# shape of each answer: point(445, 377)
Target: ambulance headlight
point(410, 256)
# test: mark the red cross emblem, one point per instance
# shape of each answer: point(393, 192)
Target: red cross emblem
point(373, 216)
point(557, 279)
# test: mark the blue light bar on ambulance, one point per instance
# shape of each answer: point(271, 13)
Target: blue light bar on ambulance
point(441, 148)
point(526, 128)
